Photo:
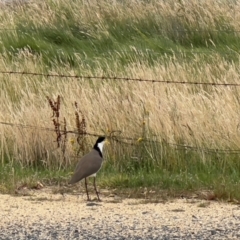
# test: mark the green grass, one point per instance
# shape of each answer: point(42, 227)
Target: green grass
point(177, 172)
point(14, 176)
point(124, 40)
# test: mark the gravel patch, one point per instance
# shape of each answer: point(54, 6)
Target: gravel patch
point(52, 216)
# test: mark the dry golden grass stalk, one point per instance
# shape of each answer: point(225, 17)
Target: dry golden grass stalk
point(64, 133)
point(81, 128)
point(55, 105)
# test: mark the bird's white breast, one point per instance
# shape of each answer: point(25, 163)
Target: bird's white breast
point(93, 175)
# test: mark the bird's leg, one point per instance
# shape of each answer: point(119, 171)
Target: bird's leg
point(87, 190)
point(94, 183)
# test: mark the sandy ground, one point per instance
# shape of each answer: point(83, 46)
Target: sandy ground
point(43, 215)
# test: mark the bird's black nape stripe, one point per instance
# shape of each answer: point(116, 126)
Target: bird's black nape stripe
point(97, 148)
point(100, 139)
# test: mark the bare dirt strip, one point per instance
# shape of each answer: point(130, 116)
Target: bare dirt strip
point(44, 215)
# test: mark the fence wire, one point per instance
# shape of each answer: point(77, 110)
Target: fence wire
point(118, 78)
point(130, 140)
point(121, 139)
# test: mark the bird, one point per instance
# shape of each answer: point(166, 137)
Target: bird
point(89, 165)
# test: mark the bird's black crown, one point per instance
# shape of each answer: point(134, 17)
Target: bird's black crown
point(100, 139)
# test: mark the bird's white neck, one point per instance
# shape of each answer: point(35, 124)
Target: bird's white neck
point(100, 146)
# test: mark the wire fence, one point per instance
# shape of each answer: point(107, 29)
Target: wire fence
point(129, 140)
point(121, 139)
point(118, 78)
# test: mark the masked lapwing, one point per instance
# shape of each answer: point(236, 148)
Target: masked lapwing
point(89, 165)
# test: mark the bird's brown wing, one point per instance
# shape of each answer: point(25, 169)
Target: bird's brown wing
point(88, 165)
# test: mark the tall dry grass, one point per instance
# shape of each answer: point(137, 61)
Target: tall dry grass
point(193, 115)
point(194, 13)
